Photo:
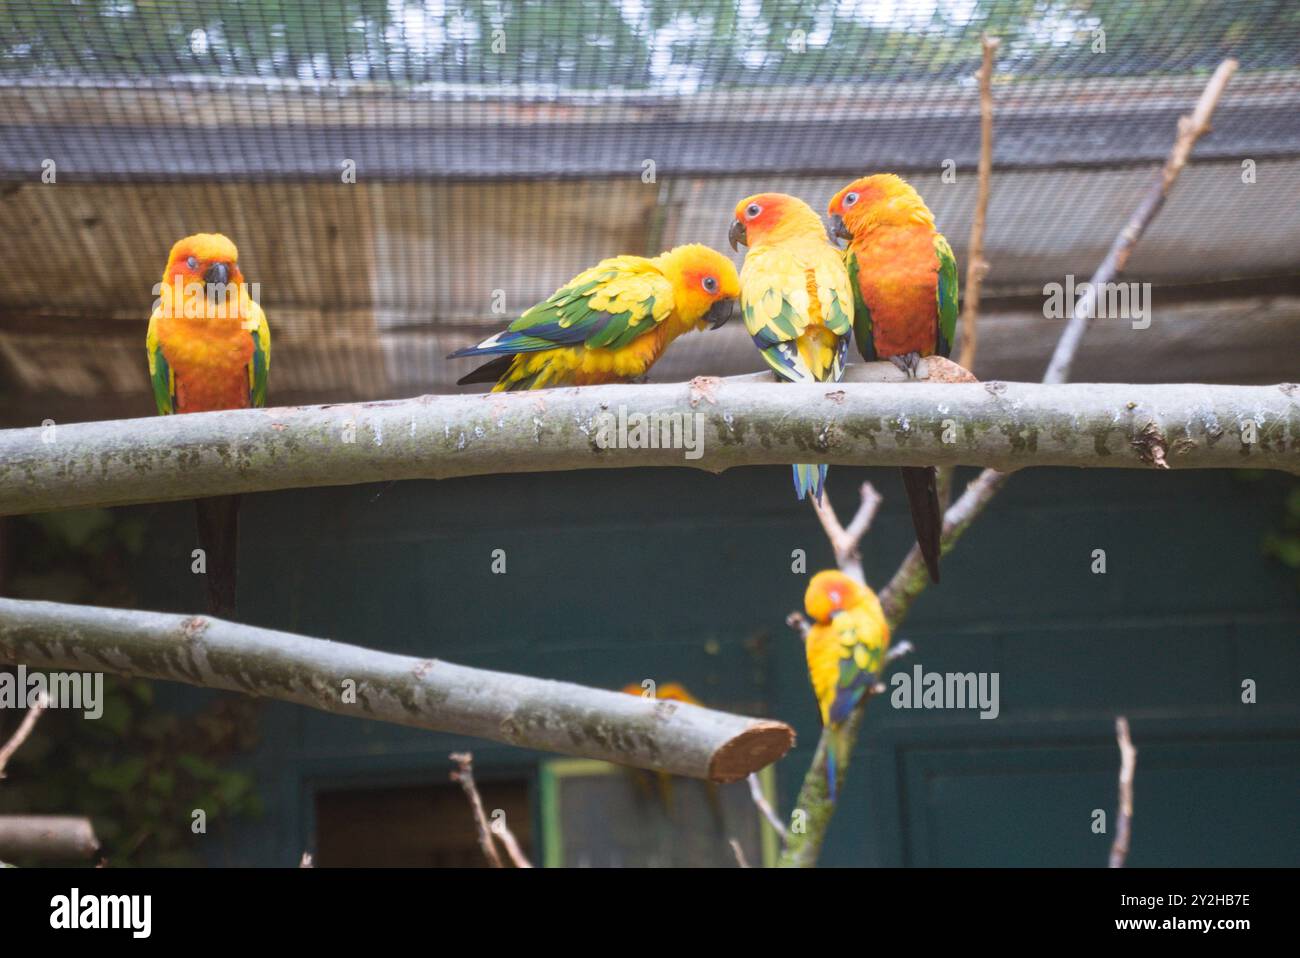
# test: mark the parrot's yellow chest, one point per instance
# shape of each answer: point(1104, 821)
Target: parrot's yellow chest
point(582, 366)
point(210, 360)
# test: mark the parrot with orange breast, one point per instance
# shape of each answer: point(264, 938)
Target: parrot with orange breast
point(796, 298)
point(904, 278)
point(209, 348)
point(845, 648)
point(609, 323)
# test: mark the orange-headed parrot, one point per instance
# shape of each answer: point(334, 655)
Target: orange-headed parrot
point(795, 297)
point(209, 348)
point(846, 651)
point(609, 323)
point(905, 304)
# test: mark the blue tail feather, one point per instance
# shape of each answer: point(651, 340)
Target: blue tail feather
point(809, 478)
point(830, 772)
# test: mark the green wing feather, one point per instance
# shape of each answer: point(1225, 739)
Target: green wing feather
point(605, 307)
point(861, 315)
point(259, 367)
point(160, 372)
point(947, 296)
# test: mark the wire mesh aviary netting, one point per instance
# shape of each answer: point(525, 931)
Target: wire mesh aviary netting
point(388, 166)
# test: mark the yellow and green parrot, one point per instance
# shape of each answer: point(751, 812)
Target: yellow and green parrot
point(209, 348)
point(846, 648)
point(905, 304)
point(609, 323)
point(796, 298)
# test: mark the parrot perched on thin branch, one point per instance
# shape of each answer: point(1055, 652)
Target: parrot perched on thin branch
point(796, 298)
point(610, 323)
point(209, 348)
point(846, 648)
point(905, 305)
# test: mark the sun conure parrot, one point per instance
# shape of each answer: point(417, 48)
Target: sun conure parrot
point(671, 692)
point(611, 322)
point(795, 297)
point(846, 651)
point(209, 348)
point(905, 304)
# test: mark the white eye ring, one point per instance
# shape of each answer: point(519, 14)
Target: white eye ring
point(850, 199)
point(192, 263)
point(710, 284)
point(752, 210)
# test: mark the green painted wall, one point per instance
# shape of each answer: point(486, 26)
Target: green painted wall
point(676, 575)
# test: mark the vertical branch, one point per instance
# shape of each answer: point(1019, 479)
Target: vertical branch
point(844, 541)
point(1124, 820)
point(910, 580)
point(976, 266)
point(464, 774)
point(764, 807)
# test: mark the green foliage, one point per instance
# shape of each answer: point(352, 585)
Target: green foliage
point(1283, 543)
point(139, 771)
point(674, 44)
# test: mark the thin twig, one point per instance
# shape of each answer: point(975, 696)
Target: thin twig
point(24, 730)
point(464, 774)
point(976, 266)
point(739, 853)
point(844, 541)
point(764, 807)
point(1124, 820)
point(501, 831)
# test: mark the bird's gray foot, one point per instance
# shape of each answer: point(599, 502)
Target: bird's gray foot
point(909, 363)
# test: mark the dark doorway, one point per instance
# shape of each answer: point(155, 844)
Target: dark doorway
point(417, 826)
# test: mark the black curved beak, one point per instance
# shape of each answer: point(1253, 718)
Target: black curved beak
point(736, 235)
point(720, 312)
point(217, 273)
point(838, 228)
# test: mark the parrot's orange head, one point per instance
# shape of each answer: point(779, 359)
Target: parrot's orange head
point(771, 218)
point(705, 283)
point(203, 258)
point(829, 592)
point(882, 199)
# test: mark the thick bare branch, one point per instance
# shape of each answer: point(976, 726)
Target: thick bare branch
point(666, 736)
point(47, 837)
point(1005, 426)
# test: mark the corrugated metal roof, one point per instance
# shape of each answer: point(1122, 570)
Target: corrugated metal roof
point(476, 175)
